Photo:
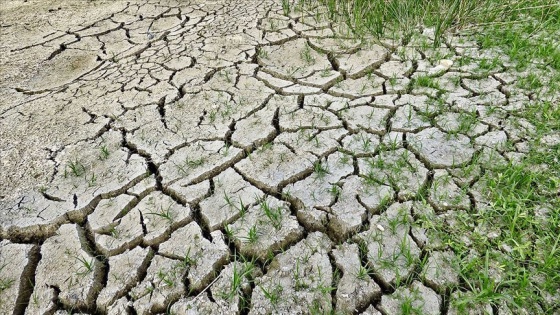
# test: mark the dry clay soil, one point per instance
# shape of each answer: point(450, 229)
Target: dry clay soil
point(220, 157)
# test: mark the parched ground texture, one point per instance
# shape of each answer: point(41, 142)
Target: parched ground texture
point(221, 157)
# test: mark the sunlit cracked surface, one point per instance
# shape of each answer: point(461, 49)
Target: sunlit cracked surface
point(219, 157)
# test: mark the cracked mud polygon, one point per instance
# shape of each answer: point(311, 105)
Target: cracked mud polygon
point(219, 157)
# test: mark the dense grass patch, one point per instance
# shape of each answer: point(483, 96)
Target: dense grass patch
point(520, 267)
point(527, 29)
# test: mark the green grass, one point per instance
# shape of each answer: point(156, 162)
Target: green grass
point(86, 266)
point(274, 214)
point(74, 168)
point(526, 253)
point(5, 283)
point(426, 81)
point(164, 213)
point(320, 169)
point(272, 294)
point(518, 26)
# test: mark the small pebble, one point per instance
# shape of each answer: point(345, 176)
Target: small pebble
point(446, 63)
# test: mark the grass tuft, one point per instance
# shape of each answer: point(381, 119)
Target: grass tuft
point(525, 29)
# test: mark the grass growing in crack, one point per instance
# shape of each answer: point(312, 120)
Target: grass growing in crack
point(241, 275)
point(188, 260)
point(317, 309)
point(236, 281)
point(489, 64)
point(320, 169)
point(229, 233)
point(335, 191)
point(324, 290)
point(363, 273)
point(520, 265)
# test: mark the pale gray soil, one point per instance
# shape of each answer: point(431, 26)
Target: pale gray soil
point(147, 147)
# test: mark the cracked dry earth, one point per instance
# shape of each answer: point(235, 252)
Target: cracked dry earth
point(219, 157)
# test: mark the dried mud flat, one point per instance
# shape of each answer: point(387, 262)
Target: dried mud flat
point(219, 157)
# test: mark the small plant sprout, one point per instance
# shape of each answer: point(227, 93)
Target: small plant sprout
point(228, 201)
point(236, 281)
point(266, 146)
point(274, 214)
point(286, 195)
point(228, 232)
point(363, 273)
point(166, 278)
point(406, 252)
point(273, 25)
point(212, 115)
point(5, 283)
point(194, 163)
point(114, 232)
point(262, 53)
point(299, 283)
point(408, 308)
point(189, 164)
point(426, 81)
point(252, 235)
point(393, 81)
point(365, 142)
point(335, 191)
point(242, 208)
point(306, 55)
point(164, 212)
point(92, 180)
point(320, 169)
point(85, 267)
point(104, 154)
point(225, 151)
point(393, 224)
point(286, 7)
point(325, 289)
point(272, 294)
point(188, 260)
point(241, 274)
point(75, 168)
point(326, 73)
point(345, 159)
